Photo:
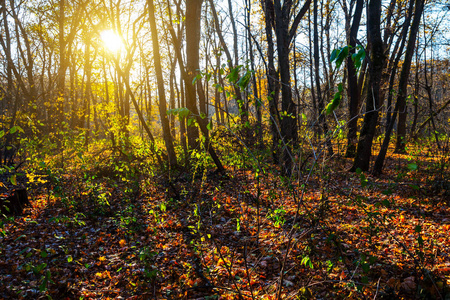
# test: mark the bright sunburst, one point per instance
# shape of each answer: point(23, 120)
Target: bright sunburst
point(112, 40)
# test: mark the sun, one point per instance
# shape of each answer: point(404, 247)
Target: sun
point(111, 40)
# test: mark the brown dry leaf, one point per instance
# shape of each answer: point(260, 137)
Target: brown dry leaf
point(393, 283)
point(409, 285)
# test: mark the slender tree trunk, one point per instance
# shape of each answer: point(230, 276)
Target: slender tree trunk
point(403, 84)
point(404, 76)
point(193, 22)
point(172, 84)
point(182, 103)
point(9, 73)
point(190, 90)
point(87, 91)
point(237, 92)
point(288, 121)
point(62, 66)
point(353, 92)
point(311, 72)
point(255, 87)
point(320, 96)
point(272, 79)
point(396, 55)
point(373, 101)
point(416, 96)
point(161, 91)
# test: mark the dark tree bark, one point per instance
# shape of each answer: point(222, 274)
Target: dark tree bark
point(403, 85)
point(272, 78)
point(319, 94)
point(193, 22)
point(284, 34)
point(396, 55)
point(256, 97)
point(161, 90)
point(190, 90)
point(404, 76)
point(373, 101)
point(353, 92)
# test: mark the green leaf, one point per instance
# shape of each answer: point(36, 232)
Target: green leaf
point(181, 112)
point(306, 261)
point(336, 100)
point(342, 56)
point(243, 82)
point(363, 179)
point(334, 54)
point(22, 236)
point(197, 77)
point(359, 57)
point(329, 266)
point(13, 179)
point(304, 118)
point(16, 128)
point(412, 167)
point(2, 133)
point(234, 74)
point(44, 254)
point(209, 126)
point(69, 258)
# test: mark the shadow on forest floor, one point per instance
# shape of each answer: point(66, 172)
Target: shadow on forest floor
point(342, 236)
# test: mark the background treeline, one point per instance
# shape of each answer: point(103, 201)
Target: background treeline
point(273, 75)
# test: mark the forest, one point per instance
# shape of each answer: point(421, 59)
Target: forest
point(224, 149)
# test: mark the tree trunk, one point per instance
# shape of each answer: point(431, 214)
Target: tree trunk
point(190, 90)
point(353, 92)
point(373, 101)
point(403, 85)
point(87, 91)
point(404, 76)
point(161, 90)
point(237, 92)
point(272, 79)
point(193, 23)
point(256, 97)
point(59, 105)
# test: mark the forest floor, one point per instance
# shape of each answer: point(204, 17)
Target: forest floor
point(330, 234)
